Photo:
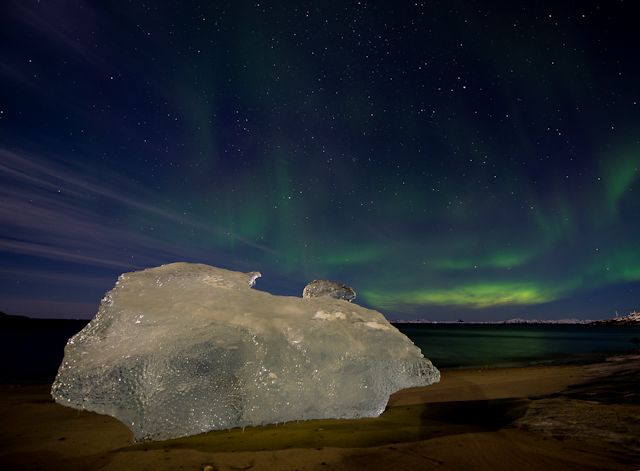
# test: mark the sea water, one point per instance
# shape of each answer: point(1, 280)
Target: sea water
point(454, 346)
point(34, 355)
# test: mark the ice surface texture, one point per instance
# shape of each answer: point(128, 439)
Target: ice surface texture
point(324, 288)
point(187, 348)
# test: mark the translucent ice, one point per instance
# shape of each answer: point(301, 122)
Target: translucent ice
point(324, 288)
point(183, 349)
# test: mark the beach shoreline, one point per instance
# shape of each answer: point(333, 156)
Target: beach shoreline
point(471, 419)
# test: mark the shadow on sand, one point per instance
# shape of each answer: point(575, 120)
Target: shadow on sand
point(398, 424)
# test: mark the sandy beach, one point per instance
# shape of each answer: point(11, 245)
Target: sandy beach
point(473, 419)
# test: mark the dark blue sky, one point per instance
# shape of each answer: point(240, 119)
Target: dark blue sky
point(474, 160)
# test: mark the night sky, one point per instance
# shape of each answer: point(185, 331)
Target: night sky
point(448, 160)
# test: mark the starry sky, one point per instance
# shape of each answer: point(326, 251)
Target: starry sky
point(448, 160)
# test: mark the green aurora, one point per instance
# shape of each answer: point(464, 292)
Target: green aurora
point(446, 161)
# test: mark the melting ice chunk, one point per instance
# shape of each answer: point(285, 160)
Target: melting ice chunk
point(324, 288)
point(186, 348)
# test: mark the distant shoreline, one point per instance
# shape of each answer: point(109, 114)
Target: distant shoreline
point(12, 322)
point(507, 322)
point(632, 319)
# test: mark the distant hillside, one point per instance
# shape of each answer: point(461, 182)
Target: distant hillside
point(632, 319)
point(21, 323)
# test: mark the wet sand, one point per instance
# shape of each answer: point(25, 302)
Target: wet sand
point(500, 419)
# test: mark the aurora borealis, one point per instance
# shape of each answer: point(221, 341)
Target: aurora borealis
point(466, 159)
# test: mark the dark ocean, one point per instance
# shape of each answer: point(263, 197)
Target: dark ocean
point(454, 346)
point(32, 351)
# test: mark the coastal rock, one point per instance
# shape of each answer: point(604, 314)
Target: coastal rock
point(564, 417)
point(604, 406)
point(329, 289)
point(182, 349)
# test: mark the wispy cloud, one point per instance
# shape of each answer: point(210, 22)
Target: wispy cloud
point(63, 211)
point(48, 277)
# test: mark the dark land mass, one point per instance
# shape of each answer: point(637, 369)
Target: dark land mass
point(632, 319)
point(32, 349)
point(615, 322)
point(22, 323)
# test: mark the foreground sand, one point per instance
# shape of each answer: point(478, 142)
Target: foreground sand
point(464, 422)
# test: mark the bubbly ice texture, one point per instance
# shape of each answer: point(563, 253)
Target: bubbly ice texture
point(183, 349)
point(324, 288)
